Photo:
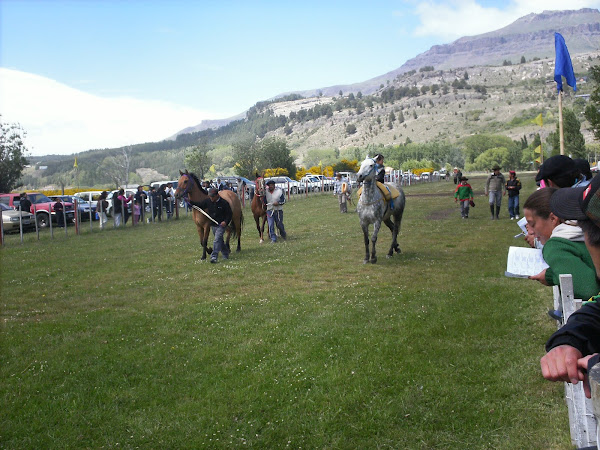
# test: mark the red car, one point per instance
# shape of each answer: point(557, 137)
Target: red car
point(41, 206)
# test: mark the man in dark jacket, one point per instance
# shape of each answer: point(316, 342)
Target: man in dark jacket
point(220, 212)
point(25, 203)
point(513, 187)
point(570, 348)
point(379, 168)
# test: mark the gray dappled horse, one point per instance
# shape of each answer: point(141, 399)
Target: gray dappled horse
point(373, 209)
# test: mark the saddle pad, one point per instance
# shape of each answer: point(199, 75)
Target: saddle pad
point(383, 188)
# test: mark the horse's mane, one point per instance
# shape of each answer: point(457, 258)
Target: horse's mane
point(197, 181)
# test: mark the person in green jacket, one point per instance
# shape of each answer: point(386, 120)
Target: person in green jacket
point(464, 194)
point(564, 248)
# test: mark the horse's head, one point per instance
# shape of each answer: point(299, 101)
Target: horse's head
point(367, 170)
point(184, 184)
point(260, 186)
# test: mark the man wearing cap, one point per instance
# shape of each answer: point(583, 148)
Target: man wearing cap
point(513, 186)
point(275, 200)
point(570, 348)
point(495, 187)
point(220, 212)
point(558, 171)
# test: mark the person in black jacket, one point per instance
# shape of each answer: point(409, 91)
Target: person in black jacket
point(513, 187)
point(379, 168)
point(220, 212)
point(570, 348)
point(25, 203)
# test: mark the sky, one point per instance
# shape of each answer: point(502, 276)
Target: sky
point(88, 74)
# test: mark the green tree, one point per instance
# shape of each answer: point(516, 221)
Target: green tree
point(475, 145)
point(274, 153)
point(523, 60)
point(12, 156)
point(491, 157)
point(573, 139)
point(246, 157)
point(198, 160)
point(592, 113)
point(350, 128)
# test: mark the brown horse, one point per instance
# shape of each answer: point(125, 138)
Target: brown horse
point(259, 208)
point(190, 189)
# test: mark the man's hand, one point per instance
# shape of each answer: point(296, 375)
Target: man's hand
point(541, 277)
point(275, 203)
point(223, 224)
point(582, 363)
point(562, 364)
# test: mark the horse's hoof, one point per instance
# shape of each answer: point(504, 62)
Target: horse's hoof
point(365, 261)
point(373, 260)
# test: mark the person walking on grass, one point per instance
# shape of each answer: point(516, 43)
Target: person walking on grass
point(495, 188)
point(464, 195)
point(220, 212)
point(275, 199)
point(513, 186)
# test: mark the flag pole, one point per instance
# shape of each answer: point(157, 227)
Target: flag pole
point(560, 123)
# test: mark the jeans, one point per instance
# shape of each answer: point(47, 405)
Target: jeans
point(219, 244)
point(495, 197)
point(513, 206)
point(464, 208)
point(275, 218)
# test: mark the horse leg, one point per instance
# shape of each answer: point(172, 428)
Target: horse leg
point(376, 227)
point(262, 228)
point(260, 232)
point(365, 229)
point(394, 229)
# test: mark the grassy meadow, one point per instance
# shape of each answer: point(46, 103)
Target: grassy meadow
point(125, 339)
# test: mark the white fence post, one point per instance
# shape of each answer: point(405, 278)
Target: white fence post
point(581, 410)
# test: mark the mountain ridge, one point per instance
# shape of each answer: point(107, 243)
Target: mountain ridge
point(580, 28)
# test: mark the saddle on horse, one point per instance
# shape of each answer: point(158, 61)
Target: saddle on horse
point(388, 192)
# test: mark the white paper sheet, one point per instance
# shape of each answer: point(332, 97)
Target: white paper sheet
point(523, 262)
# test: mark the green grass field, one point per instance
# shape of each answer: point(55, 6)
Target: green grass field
point(125, 339)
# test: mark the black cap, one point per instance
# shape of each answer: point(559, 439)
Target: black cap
point(212, 192)
point(270, 182)
point(578, 203)
point(555, 166)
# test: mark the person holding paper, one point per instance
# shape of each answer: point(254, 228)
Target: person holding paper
point(570, 348)
point(564, 248)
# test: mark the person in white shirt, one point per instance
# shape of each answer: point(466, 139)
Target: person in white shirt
point(275, 199)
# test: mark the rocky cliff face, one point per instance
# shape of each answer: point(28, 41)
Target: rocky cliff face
point(530, 36)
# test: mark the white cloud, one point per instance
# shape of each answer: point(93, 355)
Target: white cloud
point(450, 20)
point(61, 120)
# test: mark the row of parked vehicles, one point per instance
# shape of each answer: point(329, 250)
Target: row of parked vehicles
point(42, 206)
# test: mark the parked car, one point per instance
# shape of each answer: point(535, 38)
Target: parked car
point(41, 206)
point(326, 182)
point(86, 196)
point(286, 183)
point(10, 219)
point(310, 183)
point(83, 206)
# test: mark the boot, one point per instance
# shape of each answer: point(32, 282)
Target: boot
point(497, 212)
point(492, 211)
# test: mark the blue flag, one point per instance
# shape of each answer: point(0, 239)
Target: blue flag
point(563, 66)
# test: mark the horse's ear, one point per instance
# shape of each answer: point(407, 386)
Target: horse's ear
point(180, 172)
point(186, 172)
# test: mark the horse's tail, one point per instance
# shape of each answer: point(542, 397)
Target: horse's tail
point(233, 228)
